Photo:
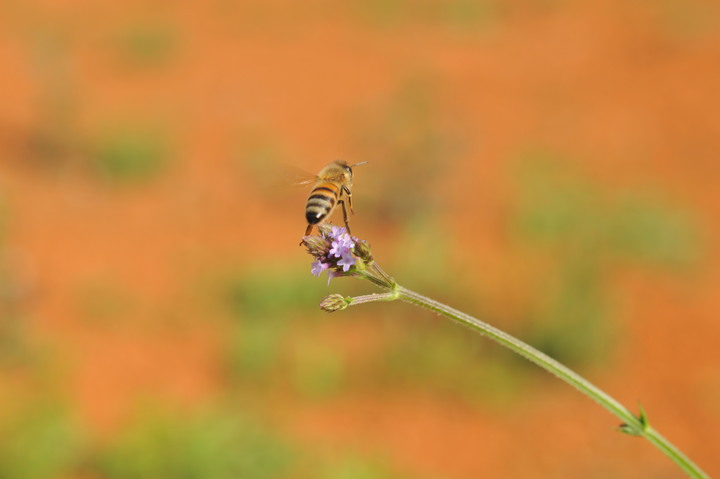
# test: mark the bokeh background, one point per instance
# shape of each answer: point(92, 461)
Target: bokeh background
point(550, 166)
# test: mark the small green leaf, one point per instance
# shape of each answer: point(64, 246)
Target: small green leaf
point(634, 430)
point(643, 418)
point(629, 430)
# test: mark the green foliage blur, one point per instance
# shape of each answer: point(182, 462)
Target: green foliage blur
point(39, 441)
point(585, 234)
point(43, 441)
point(147, 43)
point(207, 446)
point(15, 347)
point(270, 343)
point(454, 14)
point(411, 129)
point(124, 154)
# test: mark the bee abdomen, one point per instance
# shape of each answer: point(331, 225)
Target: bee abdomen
point(319, 204)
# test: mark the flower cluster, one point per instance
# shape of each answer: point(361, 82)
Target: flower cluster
point(344, 255)
point(333, 250)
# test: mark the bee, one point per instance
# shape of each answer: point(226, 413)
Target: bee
point(332, 186)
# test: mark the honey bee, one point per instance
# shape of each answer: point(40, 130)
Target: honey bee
point(331, 188)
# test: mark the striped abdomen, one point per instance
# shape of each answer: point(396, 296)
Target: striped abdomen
point(321, 202)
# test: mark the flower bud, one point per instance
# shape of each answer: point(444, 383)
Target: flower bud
point(315, 245)
point(334, 302)
point(363, 251)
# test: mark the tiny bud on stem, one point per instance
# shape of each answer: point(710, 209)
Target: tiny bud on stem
point(334, 302)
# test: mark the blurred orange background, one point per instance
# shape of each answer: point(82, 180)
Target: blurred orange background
point(549, 166)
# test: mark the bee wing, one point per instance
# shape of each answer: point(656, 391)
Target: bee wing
point(293, 176)
point(306, 180)
point(301, 177)
point(274, 178)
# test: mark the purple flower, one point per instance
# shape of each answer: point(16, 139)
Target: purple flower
point(346, 261)
point(348, 240)
point(337, 249)
point(341, 254)
point(342, 243)
point(336, 231)
point(332, 250)
point(318, 267)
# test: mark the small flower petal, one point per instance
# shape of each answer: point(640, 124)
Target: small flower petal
point(347, 261)
point(337, 249)
point(341, 244)
point(318, 267)
point(347, 241)
point(336, 232)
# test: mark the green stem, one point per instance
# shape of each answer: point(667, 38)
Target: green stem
point(368, 298)
point(638, 426)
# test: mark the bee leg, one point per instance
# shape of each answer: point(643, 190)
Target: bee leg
point(307, 233)
point(349, 197)
point(345, 216)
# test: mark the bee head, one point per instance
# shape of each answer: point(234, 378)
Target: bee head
point(343, 164)
point(348, 168)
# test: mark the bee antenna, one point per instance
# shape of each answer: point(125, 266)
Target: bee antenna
point(358, 164)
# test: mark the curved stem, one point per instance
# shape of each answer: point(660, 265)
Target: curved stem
point(637, 426)
point(367, 298)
